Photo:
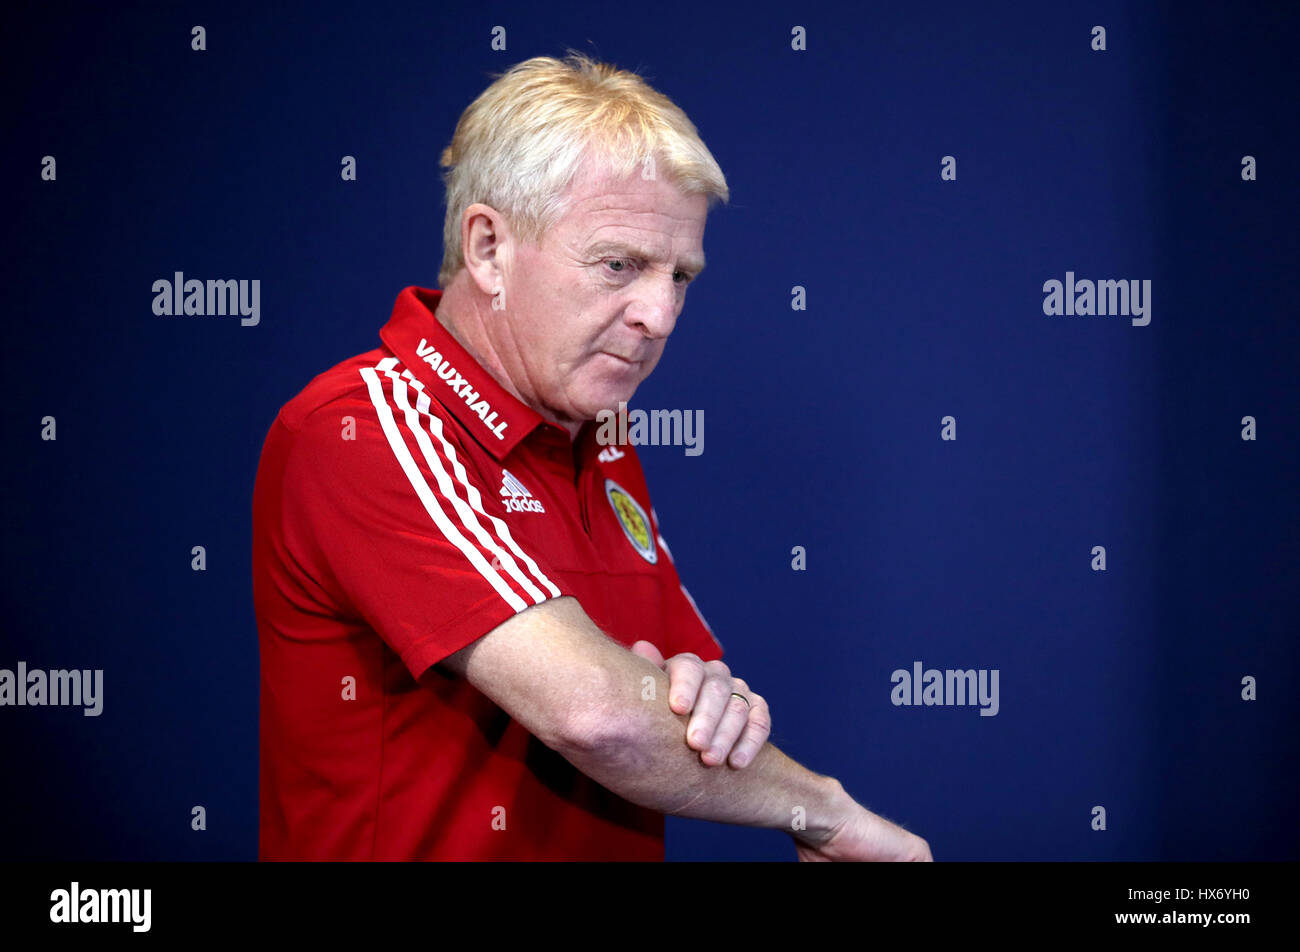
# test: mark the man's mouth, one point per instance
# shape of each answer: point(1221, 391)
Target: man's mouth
point(627, 360)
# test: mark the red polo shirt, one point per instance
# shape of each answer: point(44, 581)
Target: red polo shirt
point(405, 506)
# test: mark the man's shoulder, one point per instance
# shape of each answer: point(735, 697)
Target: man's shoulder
point(364, 410)
point(369, 387)
point(343, 385)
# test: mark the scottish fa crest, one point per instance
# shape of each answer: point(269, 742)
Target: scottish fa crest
point(635, 523)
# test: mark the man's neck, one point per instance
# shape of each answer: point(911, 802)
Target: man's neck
point(461, 311)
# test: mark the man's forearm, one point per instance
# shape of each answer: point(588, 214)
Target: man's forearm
point(642, 756)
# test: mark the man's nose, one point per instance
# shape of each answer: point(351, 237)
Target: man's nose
point(655, 309)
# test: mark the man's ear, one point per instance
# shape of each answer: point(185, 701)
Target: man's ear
point(485, 241)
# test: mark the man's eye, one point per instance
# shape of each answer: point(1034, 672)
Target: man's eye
point(681, 277)
point(620, 262)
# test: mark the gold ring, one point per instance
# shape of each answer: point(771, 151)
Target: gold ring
point(742, 697)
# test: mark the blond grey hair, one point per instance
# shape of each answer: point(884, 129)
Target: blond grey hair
point(520, 144)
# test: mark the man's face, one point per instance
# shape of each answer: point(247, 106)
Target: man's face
point(588, 310)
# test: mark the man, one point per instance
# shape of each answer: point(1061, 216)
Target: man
point(464, 600)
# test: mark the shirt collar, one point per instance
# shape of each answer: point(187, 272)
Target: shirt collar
point(497, 419)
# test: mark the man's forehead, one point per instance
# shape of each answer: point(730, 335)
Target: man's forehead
point(635, 216)
point(597, 188)
point(634, 195)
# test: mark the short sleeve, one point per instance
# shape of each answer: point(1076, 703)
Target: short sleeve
point(389, 520)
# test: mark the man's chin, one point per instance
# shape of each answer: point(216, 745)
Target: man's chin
point(607, 403)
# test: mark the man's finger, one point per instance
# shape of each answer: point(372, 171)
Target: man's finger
point(710, 706)
point(758, 727)
point(735, 719)
point(648, 651)
point(685, 675)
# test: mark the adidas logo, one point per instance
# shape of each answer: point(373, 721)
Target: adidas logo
point(609, 454)
point(515, 497)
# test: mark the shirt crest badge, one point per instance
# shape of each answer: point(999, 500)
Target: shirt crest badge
point(633, 519)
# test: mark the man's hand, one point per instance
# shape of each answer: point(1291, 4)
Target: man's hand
point(865, 837)
point(721, 726)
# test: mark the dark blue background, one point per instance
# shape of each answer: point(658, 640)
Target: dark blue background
point(1118, 688)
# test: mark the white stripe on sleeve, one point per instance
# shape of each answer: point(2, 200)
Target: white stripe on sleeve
point(448, 488)
point(423, 404)
point(426, 495)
